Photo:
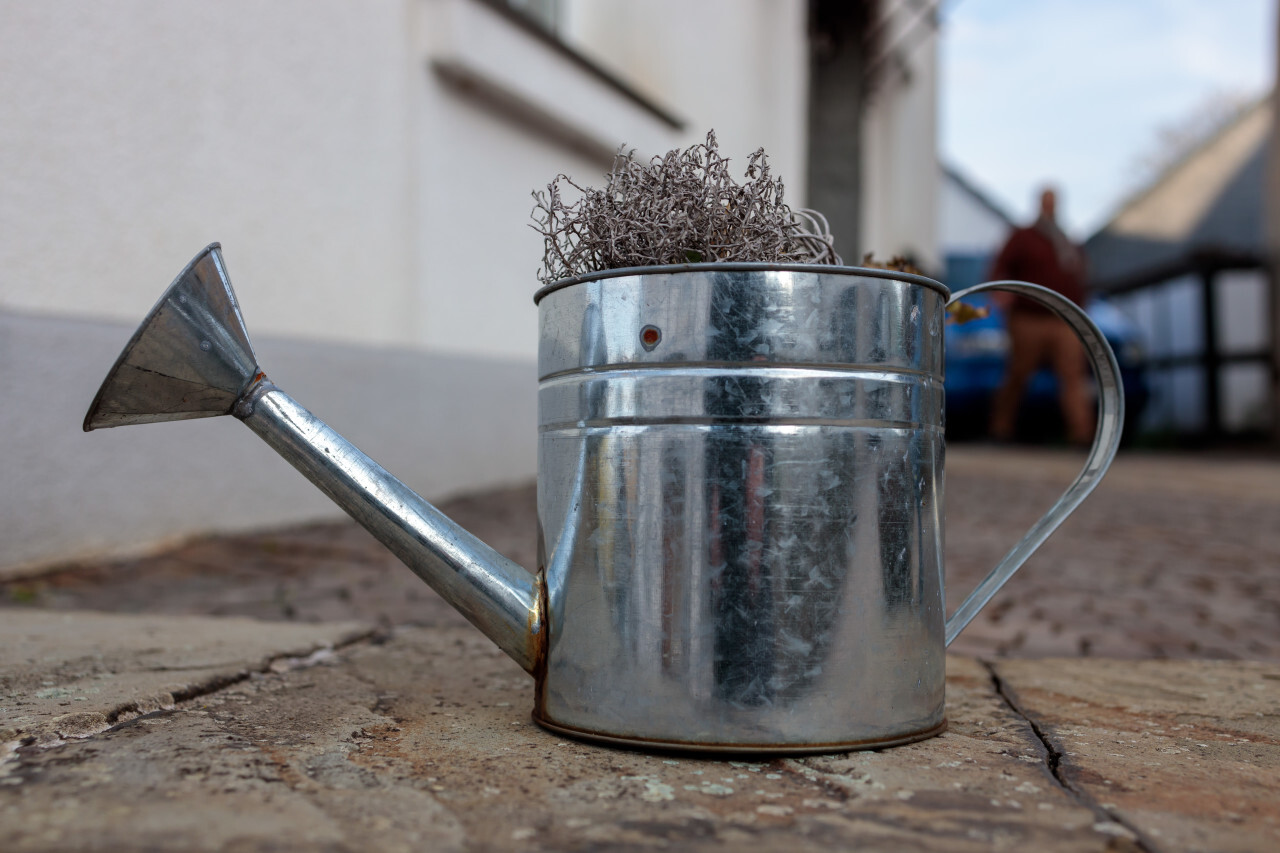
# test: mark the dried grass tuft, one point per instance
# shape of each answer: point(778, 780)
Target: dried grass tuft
point(683, 207)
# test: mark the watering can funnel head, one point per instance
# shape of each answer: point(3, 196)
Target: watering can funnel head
point(190, 358)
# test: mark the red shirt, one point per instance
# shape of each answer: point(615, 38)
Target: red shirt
point(1030, 255)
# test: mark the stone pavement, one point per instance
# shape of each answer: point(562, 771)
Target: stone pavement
point(1172, 557)
point(299, 690)
point(421, 739)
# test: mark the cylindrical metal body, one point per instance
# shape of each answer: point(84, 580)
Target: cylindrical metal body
point(740, 508)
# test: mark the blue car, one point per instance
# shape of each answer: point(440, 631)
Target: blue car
point(976, 354)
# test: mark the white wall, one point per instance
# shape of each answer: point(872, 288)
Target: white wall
point(367, 167)
point(740, 67)
point(359, 197)
point(136, 132)
point(500, 116)
point(900, 178)
point(442, 424)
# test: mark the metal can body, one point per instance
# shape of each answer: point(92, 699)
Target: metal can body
point(740, 508)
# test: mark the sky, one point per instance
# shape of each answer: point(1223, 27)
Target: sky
point(1074, 92)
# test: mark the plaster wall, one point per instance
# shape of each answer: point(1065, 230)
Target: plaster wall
point(441, 423)
point(500, 116)
point(739, 67)
point(358, 195)
point(141, 131)
point(900, 177)
point(367, 167)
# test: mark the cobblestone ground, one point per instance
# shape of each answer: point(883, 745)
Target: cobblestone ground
point(1173, 557)
point(1170, 558)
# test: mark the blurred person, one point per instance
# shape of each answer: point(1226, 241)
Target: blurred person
point(1042, 254)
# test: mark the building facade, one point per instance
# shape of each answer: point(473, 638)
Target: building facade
point(367, 168)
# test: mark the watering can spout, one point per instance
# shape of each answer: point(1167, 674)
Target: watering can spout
point(191, 358)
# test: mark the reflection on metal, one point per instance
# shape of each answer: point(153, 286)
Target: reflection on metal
point(495, 594)
point(190, 358)
point(757, 553)
point(739, 517)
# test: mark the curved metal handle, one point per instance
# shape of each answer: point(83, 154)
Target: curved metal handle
point(1106, 440)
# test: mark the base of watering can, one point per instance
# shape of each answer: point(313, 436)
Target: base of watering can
point(658, 745)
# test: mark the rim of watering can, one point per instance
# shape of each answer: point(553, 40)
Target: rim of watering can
point(745, 266)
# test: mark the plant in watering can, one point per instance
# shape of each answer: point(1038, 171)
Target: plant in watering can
point(740, 467)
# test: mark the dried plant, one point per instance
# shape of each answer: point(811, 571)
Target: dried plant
point(897, 262)
point(683, 207)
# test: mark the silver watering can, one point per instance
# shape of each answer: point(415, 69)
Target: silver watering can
point(740, 496)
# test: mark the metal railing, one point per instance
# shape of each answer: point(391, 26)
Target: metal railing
point(1214, 354)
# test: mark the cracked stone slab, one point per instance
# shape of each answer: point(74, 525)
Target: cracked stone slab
point(422, 740)
point(74, 674)
point(1186, 753)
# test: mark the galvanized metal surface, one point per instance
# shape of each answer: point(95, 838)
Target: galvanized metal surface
point(740, 497)
point(741, 522)
point(757, 534)
point(190, 358)
point(496, 595)
point(739, 266)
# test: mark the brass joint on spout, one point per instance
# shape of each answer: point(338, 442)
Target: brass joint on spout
point(538, 628)
point(253, 392)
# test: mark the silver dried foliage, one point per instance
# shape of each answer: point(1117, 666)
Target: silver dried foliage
point(683, 207)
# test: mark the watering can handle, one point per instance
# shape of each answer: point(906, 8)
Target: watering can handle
point(1106, 440)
